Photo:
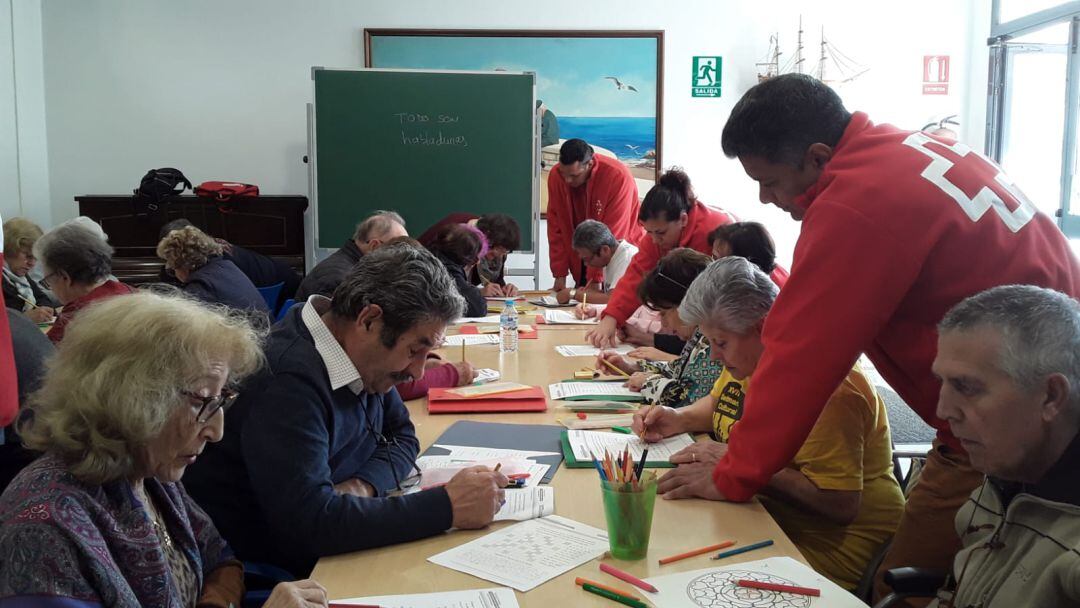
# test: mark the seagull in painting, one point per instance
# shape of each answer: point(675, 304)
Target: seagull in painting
point(633, 149)
point(620, 85)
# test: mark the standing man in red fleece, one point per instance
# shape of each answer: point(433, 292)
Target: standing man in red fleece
point(898, 227)
point(9, 396)
point(587, 186)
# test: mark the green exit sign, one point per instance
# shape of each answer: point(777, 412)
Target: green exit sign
point(706, 80)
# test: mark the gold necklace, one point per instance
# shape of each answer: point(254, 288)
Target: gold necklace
point(155, 520)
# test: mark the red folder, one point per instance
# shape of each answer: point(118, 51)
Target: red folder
point(532, 399)
point(475, 329)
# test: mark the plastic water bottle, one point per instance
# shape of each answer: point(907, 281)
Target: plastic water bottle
point(508, 328)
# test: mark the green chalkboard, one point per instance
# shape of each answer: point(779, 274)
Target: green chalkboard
point(424, 144)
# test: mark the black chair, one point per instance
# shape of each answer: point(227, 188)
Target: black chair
point(911, 582)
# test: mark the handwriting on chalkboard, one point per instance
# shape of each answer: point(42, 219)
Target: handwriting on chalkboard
point(419, 129)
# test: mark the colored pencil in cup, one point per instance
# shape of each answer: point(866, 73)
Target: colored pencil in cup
point(778, 587)
point(764, 543)
point(626, 576)
point(709, 549)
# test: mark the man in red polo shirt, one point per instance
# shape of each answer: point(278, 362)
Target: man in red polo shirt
point(587, 186)
point(898, 227)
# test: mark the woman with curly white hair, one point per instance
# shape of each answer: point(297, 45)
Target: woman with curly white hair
point(131, 399)
point(197, 261)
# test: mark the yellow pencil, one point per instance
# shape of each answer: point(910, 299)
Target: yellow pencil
point(463, 351)
point(612, 366)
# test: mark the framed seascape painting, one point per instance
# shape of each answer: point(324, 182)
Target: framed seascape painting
point(601, 86)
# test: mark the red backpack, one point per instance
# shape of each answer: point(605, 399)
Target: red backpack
point(224, 192)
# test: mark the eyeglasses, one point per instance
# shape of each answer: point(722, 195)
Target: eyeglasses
point(45, 280)
point(401, 484)
point(211, 405)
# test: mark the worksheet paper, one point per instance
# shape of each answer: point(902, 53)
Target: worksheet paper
point(559, 316)
point(487, 319)
point(562, 390)
point(527, 503)
point(459, 339)
point(439, 469)
point(527, 554)
point(465, 452)
point(584, 350)
point(495, 597)
point(719, 587)
point(587, 444)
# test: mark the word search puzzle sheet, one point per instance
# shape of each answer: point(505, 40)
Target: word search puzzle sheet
point(528, 554)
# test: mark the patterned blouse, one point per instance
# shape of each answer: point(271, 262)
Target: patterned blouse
point(64, 543)
point(684, 380)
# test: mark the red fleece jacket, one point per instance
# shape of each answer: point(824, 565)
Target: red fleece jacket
point(700, 222)
point(899, 228)
point(611, 197)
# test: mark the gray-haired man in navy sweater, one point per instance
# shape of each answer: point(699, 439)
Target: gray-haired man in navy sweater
point(316, 441)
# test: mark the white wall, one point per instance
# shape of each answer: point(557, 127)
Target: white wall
point(218, 88)
point(24, 176)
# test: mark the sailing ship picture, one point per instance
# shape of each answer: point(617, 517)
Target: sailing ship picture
point(833, 66)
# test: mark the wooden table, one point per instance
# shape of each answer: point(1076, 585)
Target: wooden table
point(678, 525)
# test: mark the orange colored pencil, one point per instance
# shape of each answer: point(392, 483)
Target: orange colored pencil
point(709, 549)
point(584, 581)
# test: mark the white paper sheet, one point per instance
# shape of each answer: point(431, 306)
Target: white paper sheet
point(596, 421)
point(437, 469)
point(562, 390)
point(586, 444)
point(487, 319)
point(562, 317)
point(527, 503)
point(584, 350)
point(527, 554)
point(458, 339)
point(465, 452)
point(495, 597)
point(719, 587)
point(484, 375)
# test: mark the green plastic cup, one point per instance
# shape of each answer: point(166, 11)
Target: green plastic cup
point(629, 512)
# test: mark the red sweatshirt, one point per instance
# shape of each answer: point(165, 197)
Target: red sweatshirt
point(107, 289)
point(891, 241)
point(701, 221)
point(610, 196)
point(9, 390)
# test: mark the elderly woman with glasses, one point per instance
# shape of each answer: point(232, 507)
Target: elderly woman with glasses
point(837, 500)
point(199, 263)
point(21, 291)
point(690, 377)
point(78, 268)
point(101, 519)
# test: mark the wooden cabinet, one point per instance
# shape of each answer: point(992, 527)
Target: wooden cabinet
point(271, 225)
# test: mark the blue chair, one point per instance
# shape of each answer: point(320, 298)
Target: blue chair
point(285, 307)
point(270, 293)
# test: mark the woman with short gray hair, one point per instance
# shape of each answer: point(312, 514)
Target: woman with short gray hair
point(133, 397)
point(838, 500)
point(77, 262)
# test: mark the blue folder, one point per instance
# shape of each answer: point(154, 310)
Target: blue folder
point(529, 437)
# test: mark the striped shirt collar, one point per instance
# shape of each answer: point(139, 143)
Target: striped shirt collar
point(339, 368)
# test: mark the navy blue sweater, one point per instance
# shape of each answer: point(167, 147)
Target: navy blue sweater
point(219, 281)
point(268, 484)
